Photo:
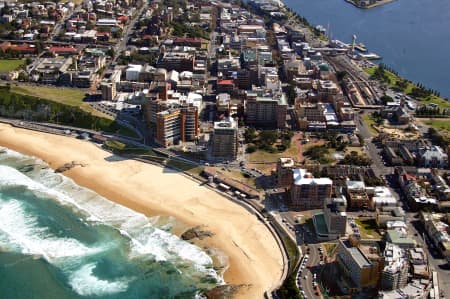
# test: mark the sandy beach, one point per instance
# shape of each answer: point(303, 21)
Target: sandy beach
point(254, 257)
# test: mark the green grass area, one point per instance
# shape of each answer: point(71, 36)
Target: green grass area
point(124, 131)
point(368, 228)
point(241, 177)
point(436, 100)
point(192, 169)
point(264, 156)
point(7, 65)
point(67, 96)
point(393, 79)
point(122, 148)
point(292, 251)
point(439, 125)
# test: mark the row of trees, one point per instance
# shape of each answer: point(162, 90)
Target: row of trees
point(418, 91)
point(426, 111)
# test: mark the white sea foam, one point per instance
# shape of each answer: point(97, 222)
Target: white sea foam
point(145, 239)
point(86, 284)
point(22, 232)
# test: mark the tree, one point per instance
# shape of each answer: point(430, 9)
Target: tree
point(386, 99)
point(340, 75)
point(291, 94)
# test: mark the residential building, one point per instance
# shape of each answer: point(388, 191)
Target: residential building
point(284, 172)
point(308, 192)
point(381, 196)
point(437, 231)
point(188, 122)
point(225, 140)
point(265, 109)
point(396, 267)
point(384, 214)
point(168, 127)
point(178, 61)
point(356, 195)
point(108, 91)
point(327, 91)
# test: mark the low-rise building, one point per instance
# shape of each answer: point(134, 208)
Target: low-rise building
point(433, 156)
point(437, 231)
point(419, 263)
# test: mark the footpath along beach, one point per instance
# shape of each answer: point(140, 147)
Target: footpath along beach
point(255, 261)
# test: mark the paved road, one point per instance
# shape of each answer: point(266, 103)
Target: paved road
point(122, 44)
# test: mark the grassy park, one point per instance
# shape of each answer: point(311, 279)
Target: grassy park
point(398, 83)
point(63, 95)
point(7, 65)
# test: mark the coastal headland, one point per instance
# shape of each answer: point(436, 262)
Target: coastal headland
point(254, 259)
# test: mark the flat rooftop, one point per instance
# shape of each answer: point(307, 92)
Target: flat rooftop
point(356, 254)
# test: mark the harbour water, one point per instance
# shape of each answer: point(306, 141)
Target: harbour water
point(60, 240)
point(412, 36)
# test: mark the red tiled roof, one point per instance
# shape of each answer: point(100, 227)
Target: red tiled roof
point(122, 18)
point(63, 50)
point(225, 82)
point(409, 177)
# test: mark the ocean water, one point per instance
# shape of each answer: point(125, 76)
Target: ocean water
point(60, 240)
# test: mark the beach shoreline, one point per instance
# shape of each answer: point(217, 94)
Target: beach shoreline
point(253, 254)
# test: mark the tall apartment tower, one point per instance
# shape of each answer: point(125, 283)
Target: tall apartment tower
point(168, 127)
point(225, 139)
point(284, 172)
point(188, 123)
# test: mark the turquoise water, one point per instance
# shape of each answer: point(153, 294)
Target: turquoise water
point(59, 240)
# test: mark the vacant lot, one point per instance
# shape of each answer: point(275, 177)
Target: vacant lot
point(7, 65)
point(368, 228)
